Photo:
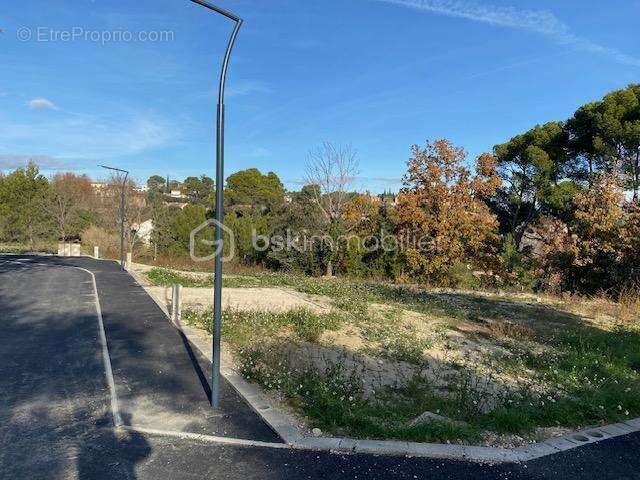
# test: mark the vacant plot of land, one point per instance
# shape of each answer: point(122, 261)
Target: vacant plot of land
point(197, 294)
point(389, 361)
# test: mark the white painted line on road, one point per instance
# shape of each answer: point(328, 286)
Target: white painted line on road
point(206, 438)
point(117, 420)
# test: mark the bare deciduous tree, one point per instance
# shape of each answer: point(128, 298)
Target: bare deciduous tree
point(331, 169)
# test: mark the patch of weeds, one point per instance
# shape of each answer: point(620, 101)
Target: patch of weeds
point(395, 342)
point(516, 331)
point(405, 347)
point(472, 394)
point(165, 278)
point(334, 401)
point(241, 281)
point(592, 376)
point(308, 325)
point(359, 310)
point(243, 327)
point(583, 376)
point(393, 314)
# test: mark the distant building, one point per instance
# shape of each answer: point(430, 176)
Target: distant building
point(388, 199)
point(99, 186)
point(177, 194)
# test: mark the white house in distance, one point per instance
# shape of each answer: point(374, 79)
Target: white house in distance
point(177, 194)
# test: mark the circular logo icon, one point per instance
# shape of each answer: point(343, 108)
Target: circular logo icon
point(24, 34)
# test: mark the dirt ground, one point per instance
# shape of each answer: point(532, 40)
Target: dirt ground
point(263, 299)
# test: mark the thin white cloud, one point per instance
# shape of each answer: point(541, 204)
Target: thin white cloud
point(537, 21)
point(45, 162)
point(90, 138)
point(247, 87)
point(386, 180)
point(41, 104)
point(296, 181)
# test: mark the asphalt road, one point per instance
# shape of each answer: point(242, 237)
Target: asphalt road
point(55, 416)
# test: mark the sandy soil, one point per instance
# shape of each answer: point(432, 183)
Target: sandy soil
point(264, 299)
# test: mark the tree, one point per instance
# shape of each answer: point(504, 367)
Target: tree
point(331, 170)
point(70, 194)
point(23, 202)
point(161, 217)
point(600, 225)
point(300, 216)
point(618, 124)
point(442, 220)
point(156, 183)
point(199, 189)
point(156, 186)
point(586, 144)
point(183, 222)
point(255, 191)
point(531, 166)
point(607, 135)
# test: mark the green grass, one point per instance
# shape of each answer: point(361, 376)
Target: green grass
point(395, 342)
point(165, 278)
point(592, 377)
point(582, 375)
point(241, 328)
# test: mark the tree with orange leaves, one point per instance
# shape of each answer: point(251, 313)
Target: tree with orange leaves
point(442, 220)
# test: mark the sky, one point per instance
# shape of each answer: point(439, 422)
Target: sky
point(133, 84)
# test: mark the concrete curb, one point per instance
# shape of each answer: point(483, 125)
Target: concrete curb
point(295, 438)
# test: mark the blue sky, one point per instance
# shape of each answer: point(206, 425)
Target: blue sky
point(377, 74)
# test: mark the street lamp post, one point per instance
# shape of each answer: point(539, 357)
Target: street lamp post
point(122, 189)
point(217, 285)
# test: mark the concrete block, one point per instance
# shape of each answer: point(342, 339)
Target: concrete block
point(535, 450)
point(96, 252)
point(310, 443)
point(633, 423)
point(563, 443)
point(347, 444)
point(489, 454)
point(289, 434)
point(381, 447)
point(614, 430)
point(75, 250)
point(61, 249)
point(435, 450)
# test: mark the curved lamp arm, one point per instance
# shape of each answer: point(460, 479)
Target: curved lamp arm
point(232, 41)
